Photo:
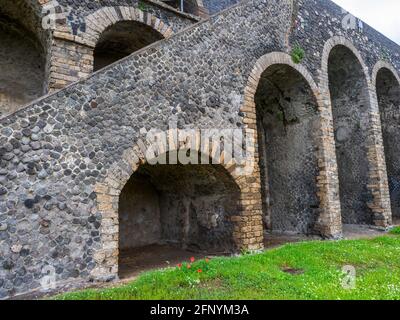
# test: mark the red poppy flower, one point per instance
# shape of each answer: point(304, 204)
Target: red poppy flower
point(207, 260)
point(199, 271)
point(189, 266)
point(180, 265)
point(192, 259)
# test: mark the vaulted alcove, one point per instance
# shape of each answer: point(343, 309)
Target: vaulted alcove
point(175, 211)
point(388, 92)
point(287, 118)
point(120, 40)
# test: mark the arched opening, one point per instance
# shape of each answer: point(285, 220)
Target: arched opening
point(350, 107)
point(388, 92)
point(122, 39)
point(287, 119)
point(172, 212)
point(22, 56)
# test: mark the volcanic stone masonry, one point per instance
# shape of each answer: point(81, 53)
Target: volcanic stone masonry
point(314, 90)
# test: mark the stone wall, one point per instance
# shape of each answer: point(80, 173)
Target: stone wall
point(139, 214)
point(22, 65)
point(185, 206)
point(370, 48)
point(23, 54)
point(69, 153)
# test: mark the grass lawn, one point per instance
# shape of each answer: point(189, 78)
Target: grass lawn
point(307, 270)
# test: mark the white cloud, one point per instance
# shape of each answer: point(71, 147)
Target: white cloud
point(383, 15)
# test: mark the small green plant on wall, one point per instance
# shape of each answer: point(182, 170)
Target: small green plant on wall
point(297, 54)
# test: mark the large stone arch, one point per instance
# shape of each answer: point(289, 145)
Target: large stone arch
point(378, 202)
point(328, 223)
point(386, 82)
point(247, 223)
point(110, 16)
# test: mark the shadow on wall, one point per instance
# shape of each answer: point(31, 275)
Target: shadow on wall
point(214, 6)
point(22, 65)
point(194, 7)
point(350, 106)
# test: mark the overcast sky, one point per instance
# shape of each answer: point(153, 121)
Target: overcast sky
point(383, 15)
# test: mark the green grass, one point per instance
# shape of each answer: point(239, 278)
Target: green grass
point(260, 276)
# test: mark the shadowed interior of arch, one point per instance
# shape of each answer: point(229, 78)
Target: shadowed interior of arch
point(121, 39)
point(171, 212)
point(388, 92)
point(189, 6)
point(22, 57)
point(287, 119)
point(350, 107)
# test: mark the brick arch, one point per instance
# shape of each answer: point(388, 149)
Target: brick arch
point(248, 232)
point(79, 46)
point(111, 15)
point(329, 222)
point(197, 8)
point(24, 46)
point(378, 184)
point(28, 13)
point(383, 65)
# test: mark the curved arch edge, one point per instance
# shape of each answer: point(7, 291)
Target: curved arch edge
point(329, 224)
point(109, 16)
point(383, 65)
